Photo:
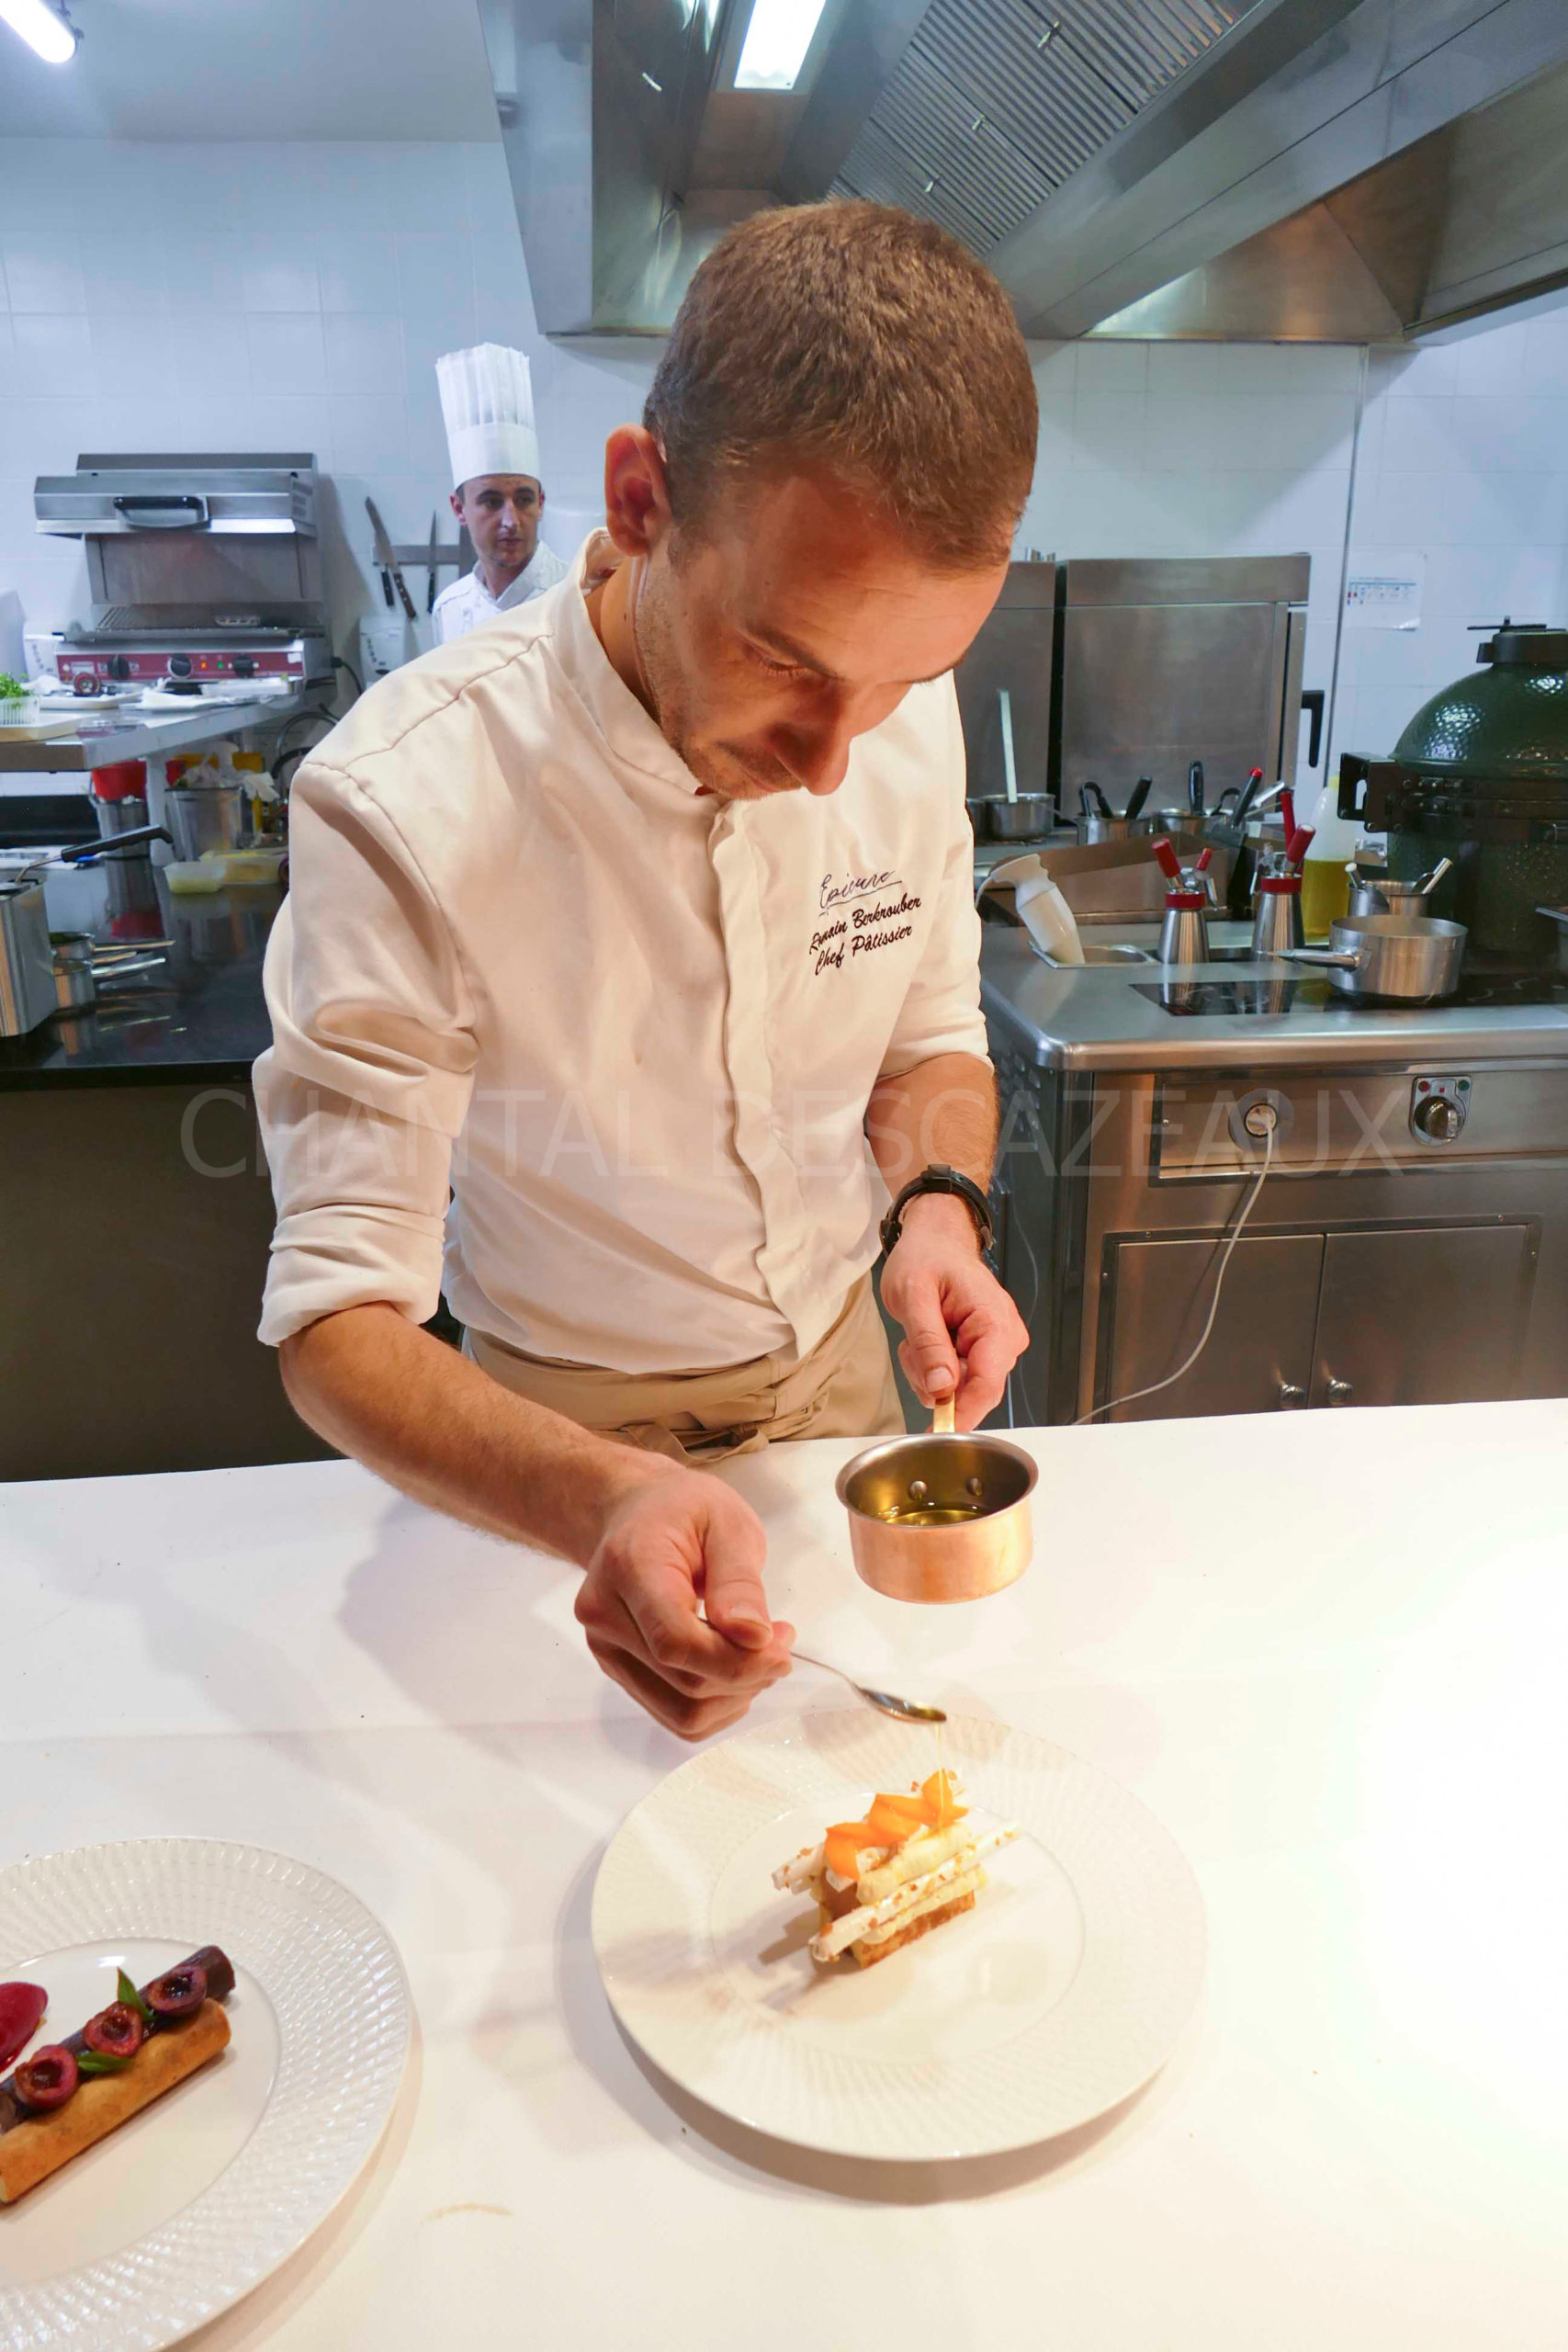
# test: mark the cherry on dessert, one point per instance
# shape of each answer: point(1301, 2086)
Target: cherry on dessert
point(47, 2078)
point(115, 2032)
point(179, 1994)
point(21, 2013)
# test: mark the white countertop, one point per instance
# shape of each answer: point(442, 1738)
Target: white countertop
point(1327, 1649)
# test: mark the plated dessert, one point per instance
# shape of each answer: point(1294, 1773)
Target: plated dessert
point(913, 1862)
point(70, 2095)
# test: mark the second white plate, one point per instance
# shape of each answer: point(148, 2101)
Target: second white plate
point(1061, 1993)
point(193, 2203)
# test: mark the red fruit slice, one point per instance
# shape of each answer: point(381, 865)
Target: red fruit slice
point(48, 2079)
point(179, 1993)
point(21, 2013)
point(115, 2032)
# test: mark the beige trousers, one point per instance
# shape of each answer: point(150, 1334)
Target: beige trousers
point(843, 1388)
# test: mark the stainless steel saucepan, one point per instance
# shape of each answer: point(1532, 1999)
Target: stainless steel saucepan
point(1023, 820)
point(1413, 958)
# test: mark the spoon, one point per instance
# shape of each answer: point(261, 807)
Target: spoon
point(904, 1710)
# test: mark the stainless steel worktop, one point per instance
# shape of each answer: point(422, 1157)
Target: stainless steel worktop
point(133, 734)
point(1096, 1018)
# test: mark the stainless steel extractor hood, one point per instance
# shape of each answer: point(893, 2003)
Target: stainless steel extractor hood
point(1329, 170)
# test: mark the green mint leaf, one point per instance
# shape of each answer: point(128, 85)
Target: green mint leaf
point(132, 1998)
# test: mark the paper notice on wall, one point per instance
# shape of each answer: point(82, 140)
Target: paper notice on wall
point(1385, 594)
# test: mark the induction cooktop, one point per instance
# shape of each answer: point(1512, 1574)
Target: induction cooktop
point(1220, 1000)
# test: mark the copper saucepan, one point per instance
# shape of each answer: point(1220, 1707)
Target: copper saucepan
point(940, 1517)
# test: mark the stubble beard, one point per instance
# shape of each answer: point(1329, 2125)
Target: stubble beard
point(721, 771)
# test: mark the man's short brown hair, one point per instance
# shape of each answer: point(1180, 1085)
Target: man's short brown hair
point(857, 338)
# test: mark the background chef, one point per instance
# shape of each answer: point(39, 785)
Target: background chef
point(487, 405)
point(643, 917)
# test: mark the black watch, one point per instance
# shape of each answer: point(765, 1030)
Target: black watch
point(938, 1179)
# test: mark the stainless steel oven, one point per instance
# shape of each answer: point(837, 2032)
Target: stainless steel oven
point(205, 570)
point(1410, 1245)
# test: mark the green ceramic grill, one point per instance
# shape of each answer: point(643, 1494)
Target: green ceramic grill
point(1481, 776)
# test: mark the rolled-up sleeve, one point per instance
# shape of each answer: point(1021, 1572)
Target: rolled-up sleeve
point(366, 1083)
point(941, 1011)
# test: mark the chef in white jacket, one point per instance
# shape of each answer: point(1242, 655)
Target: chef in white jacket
point(486, 405)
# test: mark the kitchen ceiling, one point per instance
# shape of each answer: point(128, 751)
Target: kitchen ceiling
point(257, 69)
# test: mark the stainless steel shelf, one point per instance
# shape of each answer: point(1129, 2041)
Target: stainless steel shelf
point(145, 735)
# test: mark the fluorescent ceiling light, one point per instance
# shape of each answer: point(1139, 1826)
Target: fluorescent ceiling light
point(776, 42)
point(43, 29)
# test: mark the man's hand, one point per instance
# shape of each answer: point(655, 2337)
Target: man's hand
point(677, 1539)
point(962, 1333)
point(656, 1539)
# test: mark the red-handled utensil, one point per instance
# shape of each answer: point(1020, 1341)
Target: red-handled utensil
point(1297, 847)
point(1169, 864)
point(1202, 866)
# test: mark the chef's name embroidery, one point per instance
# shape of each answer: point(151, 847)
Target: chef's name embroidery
point(862, 932)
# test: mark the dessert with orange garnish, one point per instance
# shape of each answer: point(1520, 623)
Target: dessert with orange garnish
point(911, 1863)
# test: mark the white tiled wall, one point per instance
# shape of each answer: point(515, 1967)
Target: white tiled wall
point(1463, 460)
point(1198, 449)
point(220, 297)
point(276, 297)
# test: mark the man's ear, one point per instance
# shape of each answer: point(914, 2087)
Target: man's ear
point(455, 500)
point(637, 501)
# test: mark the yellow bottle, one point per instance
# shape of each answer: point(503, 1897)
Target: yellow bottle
point(1326, 894)
point(1326, 883)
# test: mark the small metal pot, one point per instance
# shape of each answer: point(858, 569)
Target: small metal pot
point(1112, 828)
point(1380, 894)
point(1411, 958)
point(1023, 820)
point(940, 1518)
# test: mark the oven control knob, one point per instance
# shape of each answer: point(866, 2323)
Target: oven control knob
point(244, 665)
point(118, 667)
point(1437, 1119)
point(179, 665)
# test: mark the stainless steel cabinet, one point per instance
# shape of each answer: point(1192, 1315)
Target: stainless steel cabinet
point(1163, 661)
point(1260, 1353)
point(1432, 1316)
point(1015, 649)
point(1426, 1318)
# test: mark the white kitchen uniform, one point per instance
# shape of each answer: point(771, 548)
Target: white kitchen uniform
point(466, 602)
point(636, 1025)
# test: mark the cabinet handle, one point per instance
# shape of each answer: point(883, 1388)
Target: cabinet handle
point(1341, 1391)
point(1291, 1395)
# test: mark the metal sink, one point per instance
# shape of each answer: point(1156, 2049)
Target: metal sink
point(1097, 951)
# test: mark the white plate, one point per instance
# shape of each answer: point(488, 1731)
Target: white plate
point(198, 2199)
point(1061, 1993)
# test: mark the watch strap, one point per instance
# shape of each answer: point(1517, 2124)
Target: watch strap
point(939, 1178)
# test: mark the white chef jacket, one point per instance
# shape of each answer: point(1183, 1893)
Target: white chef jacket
point(466, 602)
point(635, 1024)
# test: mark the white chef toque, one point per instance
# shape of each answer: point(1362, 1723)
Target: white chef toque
point(487, 405)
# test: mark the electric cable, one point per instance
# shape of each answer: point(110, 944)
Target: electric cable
point(1134, 1396)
